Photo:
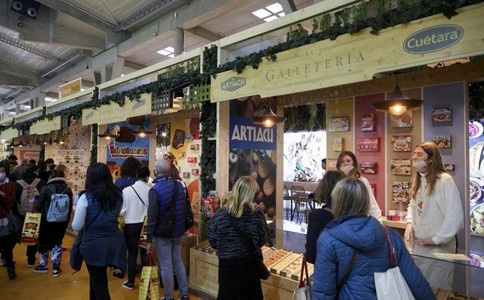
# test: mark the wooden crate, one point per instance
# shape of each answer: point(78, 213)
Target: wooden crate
point(204, 277)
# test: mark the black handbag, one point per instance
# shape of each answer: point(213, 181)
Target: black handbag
point(166, 223)
point(189, 212)
point(264, 273)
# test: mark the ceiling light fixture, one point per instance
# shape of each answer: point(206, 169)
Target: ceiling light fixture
point(142, 131)
point(110, 134)
point(266, 116)
point(397, 104)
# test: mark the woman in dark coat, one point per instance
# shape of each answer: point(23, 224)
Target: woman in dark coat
point(96, 216)
point(51, 234)
point(319, 218)
point(238, 274)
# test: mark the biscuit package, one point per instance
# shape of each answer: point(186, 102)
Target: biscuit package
point(30, 231)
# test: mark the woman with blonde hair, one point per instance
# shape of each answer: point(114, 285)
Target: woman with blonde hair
point(238, 231)
point(354, 246)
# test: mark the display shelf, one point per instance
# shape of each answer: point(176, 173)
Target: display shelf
point(394, 224)
point(204, 271)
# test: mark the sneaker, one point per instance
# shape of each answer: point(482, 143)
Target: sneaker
point(30, 266)
point(56, 272)
point(2, 263)
point(41, 269)
point(127, 285)
point(183, 297)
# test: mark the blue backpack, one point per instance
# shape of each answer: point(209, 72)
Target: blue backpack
point(59, 206)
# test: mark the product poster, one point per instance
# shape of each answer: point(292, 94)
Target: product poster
point(253, 153)
point(476, 171)
point(127, 144)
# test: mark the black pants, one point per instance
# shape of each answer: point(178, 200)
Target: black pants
point(98, 283)
point(7, 243)
point(131, 234)
point(31, 252)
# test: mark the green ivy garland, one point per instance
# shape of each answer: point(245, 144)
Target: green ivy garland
point(305, 118)
point(349, 20)
point(208, 120)
point(94, 145)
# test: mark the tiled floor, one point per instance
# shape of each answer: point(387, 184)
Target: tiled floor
point(68, 286)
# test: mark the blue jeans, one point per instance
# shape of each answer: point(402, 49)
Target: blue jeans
point(169, 259)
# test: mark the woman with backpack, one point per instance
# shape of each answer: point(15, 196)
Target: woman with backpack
point(27, 188)
point(55, 204)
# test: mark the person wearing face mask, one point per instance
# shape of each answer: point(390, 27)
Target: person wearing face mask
point(348, 164)
point(435, 212)
point(435, 215)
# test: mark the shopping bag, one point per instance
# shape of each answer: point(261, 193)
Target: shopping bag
point(144, 232)
point(392, 285)
point(303, 291)
point(121, 223)
point(149, 285)
point(30, 230)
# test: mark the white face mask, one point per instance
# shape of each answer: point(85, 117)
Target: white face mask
point(420, 166)
point(2, 176)
point(346, 169)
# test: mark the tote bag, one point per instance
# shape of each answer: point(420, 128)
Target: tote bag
point(391, 284)
point(303, 291)
point(149, 282)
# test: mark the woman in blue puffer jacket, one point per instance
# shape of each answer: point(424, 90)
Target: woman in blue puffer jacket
point(354, 230)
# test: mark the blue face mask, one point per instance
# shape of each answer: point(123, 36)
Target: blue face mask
point(2, 176)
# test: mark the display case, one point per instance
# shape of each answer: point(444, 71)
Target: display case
point(285, 267)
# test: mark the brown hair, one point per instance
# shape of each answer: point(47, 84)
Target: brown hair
point(435, 167)
point(355, 172)
point(326, 186)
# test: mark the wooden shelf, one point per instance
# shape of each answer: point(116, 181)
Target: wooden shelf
point(394, 224)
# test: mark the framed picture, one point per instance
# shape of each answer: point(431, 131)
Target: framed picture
point(339, 124)
point(371, 144)
point(331, 164)
point(401, 167)
point(401, 191)
point(443, 141)
point(402, 143)
point(402, 121)
point(442, 116)
point(449, 167)
point(368, 168)
point(368, 122)
point(338, 144)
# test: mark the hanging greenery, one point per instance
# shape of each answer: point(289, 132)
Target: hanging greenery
point(94, 130)
point(375, 14)
point(305, 118)
point(476, 101)
point(208, 122)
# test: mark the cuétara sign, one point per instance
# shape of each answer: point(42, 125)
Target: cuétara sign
point(433, 38)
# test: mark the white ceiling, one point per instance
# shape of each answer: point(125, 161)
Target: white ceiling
point(67, 32)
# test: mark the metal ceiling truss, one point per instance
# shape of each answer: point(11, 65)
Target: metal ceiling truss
point(27, 47)
point(18, 65)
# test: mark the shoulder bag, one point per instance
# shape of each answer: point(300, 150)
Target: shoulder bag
point(247, 241)
point(15, 223)
point(391, 284)
point(189, 212)
point(303, 291)
point(75, 258)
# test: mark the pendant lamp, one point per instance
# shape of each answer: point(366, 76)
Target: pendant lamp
point(397, 104)
point(266, 117)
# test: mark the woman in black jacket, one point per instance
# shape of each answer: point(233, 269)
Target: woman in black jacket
point(52, 233)
point(238, 275)
point(319, 218)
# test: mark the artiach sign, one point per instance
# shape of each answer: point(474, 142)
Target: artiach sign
point(233, 83)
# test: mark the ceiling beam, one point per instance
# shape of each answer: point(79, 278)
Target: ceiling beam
point(133, 65)
point(85, 17)
point(204, 34)
point(288, 6)
point(151, 12)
